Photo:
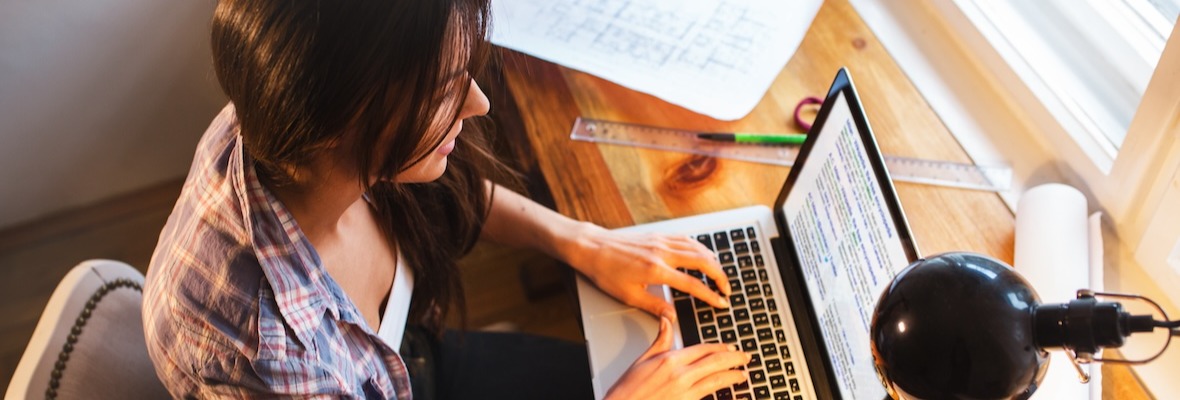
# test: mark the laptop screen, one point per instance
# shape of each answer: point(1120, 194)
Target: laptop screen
point(843, 220)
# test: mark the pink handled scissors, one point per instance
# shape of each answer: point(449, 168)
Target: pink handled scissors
point(810, 100)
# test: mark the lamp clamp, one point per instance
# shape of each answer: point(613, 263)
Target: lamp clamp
point(1078, 324)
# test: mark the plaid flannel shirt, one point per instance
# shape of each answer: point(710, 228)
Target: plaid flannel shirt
point(237, 303)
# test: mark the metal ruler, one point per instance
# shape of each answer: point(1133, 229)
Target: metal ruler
point(943, 173)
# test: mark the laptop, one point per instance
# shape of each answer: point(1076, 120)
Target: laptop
point(805, 275)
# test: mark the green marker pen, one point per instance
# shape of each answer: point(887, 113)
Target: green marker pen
point(755, 138)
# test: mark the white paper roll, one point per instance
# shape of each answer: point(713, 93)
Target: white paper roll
point(1053, 253)
point(1097, 277)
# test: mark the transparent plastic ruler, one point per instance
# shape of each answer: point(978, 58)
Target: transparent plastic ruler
point(944, 173)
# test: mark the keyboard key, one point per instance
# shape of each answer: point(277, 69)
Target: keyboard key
point(737, 299)
point(688, 325)
point(769, 350)
point(737, 234)
point(705, 240)
point(774, 365)
point(784, 352)
point(760, 319)
point(776, 321)
point(765, 334)
point(705, 317)
point(757, 376)
point(721, 240)
point(790, 370)
point(757, 305)
point(759, 261)
point(745, 330)
point(745, 262)
point(724, 320)
point(780, 336)
point(753, 290)
point(708, 397)
point(741, 315)
point(746, 396)
point(771, 305)
point(749, 276)
point(762, 276)
point(767, 291)
point(755, 361)
point(778, 382)
point(741, 247)
point(684, 306)
point(709, 332)
point(742, 387)
point(755, 247)
point(725, 257)
point(781, 396)
point(735, 286)
point(725, 394)
point(730, 271)
point(794, 385)
point(727, 336)
point(750, 233)
point(749, 345)
point(761, 393)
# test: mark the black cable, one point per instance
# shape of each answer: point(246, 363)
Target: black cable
point(1167, 324)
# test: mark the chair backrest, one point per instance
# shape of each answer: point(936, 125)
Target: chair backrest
point(89, 341)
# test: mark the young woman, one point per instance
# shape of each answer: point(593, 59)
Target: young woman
point(327, 204)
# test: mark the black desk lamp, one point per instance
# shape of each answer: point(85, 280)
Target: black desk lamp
point(967, 326)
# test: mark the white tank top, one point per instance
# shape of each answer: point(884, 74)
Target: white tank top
point(397, 309)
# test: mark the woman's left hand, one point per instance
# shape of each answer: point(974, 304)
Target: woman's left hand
point(623, 264)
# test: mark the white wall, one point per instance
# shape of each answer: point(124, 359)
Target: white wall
point(99, 98)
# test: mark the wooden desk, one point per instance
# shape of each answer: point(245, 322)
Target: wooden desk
point(616, 186)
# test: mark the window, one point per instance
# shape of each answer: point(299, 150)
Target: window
point(1089, 61)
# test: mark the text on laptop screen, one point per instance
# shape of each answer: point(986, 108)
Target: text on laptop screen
point(848, 246)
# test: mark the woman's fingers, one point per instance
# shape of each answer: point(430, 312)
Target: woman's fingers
point(695, 287)
point(717, 381)
point(694, 255)
point(657, 306)
point(692, 354)
point(714, 362)
point(663, 342)
point(667, 252)
point(710, 367)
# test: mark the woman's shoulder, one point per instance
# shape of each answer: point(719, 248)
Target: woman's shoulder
point(220, 322)
point(212, 285)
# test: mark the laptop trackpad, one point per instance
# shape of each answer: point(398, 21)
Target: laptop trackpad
point(619, 338)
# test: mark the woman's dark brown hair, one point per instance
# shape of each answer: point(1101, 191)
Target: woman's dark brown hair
point(376, 76)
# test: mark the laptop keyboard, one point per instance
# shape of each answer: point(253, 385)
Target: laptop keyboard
point(752, 321)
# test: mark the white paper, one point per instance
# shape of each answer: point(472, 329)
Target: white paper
point(713, 57)
point(1053, 253)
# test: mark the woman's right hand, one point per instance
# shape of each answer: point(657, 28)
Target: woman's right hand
point(688, 373)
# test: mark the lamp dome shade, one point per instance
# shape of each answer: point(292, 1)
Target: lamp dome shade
point(957, 326)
